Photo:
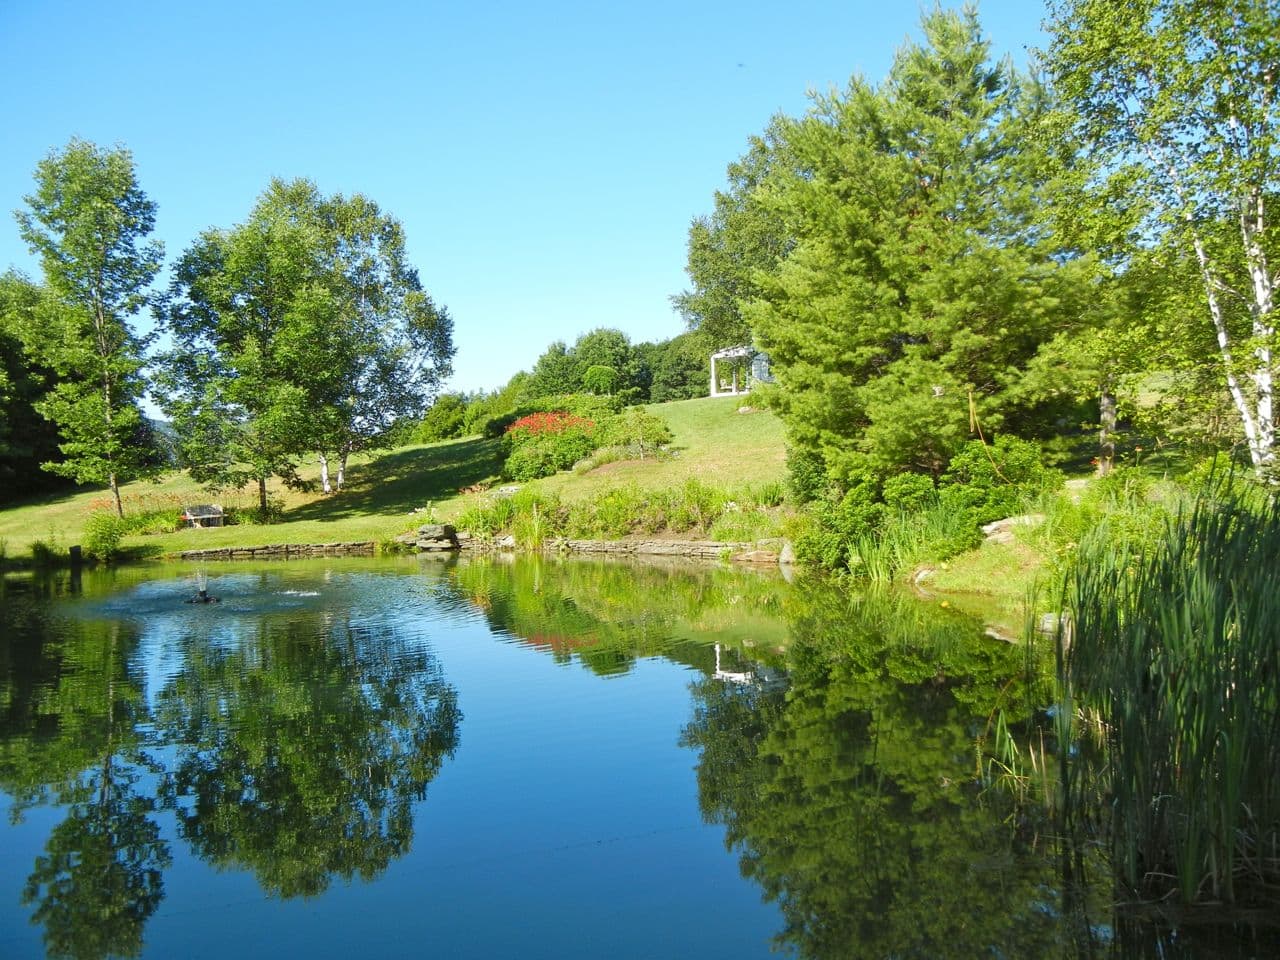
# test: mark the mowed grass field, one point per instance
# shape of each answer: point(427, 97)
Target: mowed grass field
point(390, 492)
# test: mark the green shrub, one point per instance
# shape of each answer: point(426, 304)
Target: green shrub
point(255, 516)
point(806, 475)
point(103, 532)
point(152, 522)
point(444, 420)
point(836, 524)
point(545, 455)
point(992, 481)
point(586, 405)
point(637, 431)
point(909, 492)
point(600, 379)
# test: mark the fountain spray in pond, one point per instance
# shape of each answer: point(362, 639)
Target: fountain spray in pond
point(202, 588)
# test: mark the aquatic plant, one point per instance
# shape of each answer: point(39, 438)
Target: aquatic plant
point(1176, 645)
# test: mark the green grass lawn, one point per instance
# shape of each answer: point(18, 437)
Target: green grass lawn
point(713, 442)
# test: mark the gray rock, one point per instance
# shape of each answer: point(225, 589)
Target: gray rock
point(506, 543)
point(436, 531)
point(787, 557)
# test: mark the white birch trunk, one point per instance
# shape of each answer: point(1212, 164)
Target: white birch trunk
point(1252, 224)
point(1257, 418)
point(324, 474)
point(1247, 420)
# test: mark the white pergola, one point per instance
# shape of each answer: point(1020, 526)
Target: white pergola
point(731, 353)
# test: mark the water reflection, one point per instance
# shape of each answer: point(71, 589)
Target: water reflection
point(290, 733)
point(304, 748)
point(100, 876)
point(292, 743)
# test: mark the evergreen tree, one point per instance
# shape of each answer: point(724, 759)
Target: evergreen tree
point(918, 285)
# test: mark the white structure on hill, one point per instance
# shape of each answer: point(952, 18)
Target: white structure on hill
point(756, 371)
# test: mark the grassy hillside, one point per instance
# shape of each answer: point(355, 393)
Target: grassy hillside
point(712, 442)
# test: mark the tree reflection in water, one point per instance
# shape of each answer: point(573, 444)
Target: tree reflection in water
point(296, 751)
point(305, 749)
point(73, 738)
point(848, 794)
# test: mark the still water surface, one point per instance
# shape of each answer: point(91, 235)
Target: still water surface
point(530, 758)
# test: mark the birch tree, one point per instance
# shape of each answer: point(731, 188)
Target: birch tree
point(302, 331)
point(1174, 102)
point(88, 221)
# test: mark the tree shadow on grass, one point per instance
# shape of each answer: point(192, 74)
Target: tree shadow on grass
point(402, 480)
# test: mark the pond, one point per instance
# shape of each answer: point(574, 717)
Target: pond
point(528, 758)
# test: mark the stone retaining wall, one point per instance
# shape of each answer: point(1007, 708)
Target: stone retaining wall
point(696, 549)
point(285, 551)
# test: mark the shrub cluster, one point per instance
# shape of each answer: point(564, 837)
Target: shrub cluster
point(540, 444)
point(876, 528)
point(694, 507)
point(561, 431)
point(103, 531)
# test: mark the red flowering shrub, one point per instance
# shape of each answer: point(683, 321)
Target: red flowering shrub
point(544, 424)
point(542, 443)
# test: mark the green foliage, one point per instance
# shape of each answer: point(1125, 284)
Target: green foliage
point(301, 330)
point(617, 512)
point(992, 481)
point(586, 405)
point(1167, 105)
point(681, 369)
point(88, 221)
point(545, 455)
point(600, 379)
point(908, 492)
point(272, 511)
point(912, 283)
point(836, 523)
point(637, 431)
point(103, 532)
point(1176, 646)
point(48, 553)
point(878, 532)
point(27, 439)
point(806, 474)
point(743, 523)
point(444, 420)
point(742, 239)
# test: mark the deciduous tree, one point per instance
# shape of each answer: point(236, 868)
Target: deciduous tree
point(88, 221)
point(1175, 105)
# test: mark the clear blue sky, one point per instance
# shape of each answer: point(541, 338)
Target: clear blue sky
point(545, 158)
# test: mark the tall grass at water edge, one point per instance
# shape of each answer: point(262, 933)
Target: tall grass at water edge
point(693, 507)
point(1173, 647)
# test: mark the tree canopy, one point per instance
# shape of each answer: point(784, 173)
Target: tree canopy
point(88, 220)
point(1173, 104)
point(302, 330)
point(917, 286)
